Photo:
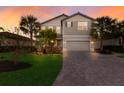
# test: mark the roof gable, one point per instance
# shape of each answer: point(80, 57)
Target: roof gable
point(80, 15)
point(54, 18)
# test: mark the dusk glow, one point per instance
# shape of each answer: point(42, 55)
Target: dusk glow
point(10, 16)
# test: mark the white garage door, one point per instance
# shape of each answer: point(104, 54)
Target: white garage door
point(78, 46)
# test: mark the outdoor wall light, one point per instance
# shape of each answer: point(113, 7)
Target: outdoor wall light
point(92, 42)
point(52, 41)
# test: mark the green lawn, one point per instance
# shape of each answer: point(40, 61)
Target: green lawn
point(121, 55)
point(44, 70)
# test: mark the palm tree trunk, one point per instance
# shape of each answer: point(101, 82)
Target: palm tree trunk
point(123, 42)
point(31, 37)
point(0, 43)
point(101, 45)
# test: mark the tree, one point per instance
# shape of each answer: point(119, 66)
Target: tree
point(103, 28)
point(2, 38)
point(30, 25)
point(120, 29)
point(47, 38)
point(2, 29)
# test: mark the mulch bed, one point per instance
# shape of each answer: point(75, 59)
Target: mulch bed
point(6, 66)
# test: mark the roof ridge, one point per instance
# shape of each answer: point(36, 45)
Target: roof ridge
point(79, 13)
point(54, 18)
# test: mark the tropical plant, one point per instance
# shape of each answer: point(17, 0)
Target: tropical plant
point(47, 38)
point(120, 29)
point(103, 28)
point(29, 25)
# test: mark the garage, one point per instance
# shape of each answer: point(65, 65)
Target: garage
point(78, 45)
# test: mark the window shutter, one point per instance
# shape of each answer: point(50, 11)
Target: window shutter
point(71, 24)
point(66, 24)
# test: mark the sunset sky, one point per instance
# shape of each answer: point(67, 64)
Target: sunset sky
point(10, 16)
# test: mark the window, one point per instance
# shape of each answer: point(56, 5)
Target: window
point(69, 24)
point(50, 27)
point(43, 27)
point(82, 25)
point(58, 30)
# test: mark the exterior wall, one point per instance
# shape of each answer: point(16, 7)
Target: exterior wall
point(74, 29)
point(81, 38)
point(59, 43)
point(107, 42)
point(56, 22)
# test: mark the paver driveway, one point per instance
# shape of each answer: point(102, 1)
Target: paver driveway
point(84, 68)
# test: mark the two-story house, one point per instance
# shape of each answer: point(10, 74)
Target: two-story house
point(74, 32)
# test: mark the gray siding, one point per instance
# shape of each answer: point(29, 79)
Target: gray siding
point(56, 22)
point(74, 29)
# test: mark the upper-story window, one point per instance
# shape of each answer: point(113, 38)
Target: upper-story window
point(43, 27)
point(58, 30)
point(82, 25)
point(50, 27)
point(69, 24)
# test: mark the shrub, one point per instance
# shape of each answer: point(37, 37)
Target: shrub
point(14, 48)
point(104, 51)
point(114, 48)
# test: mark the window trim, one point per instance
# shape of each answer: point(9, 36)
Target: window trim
point(83, 29)
point(44, 27)
point(50, 26)
point(70, 24)
point(56, 29)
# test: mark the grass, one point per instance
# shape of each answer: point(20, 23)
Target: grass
point(43, 72)
point(120, 55)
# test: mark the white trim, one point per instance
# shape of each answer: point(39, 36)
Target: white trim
point(92, 46)
point(76, 36)
point(77, 40)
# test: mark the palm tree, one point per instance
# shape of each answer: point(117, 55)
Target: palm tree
point(30, 25)
point(103, 28)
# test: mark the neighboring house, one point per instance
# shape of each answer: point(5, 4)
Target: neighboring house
point(74, 32)
point(10, 39)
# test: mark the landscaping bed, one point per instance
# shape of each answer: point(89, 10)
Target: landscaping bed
point(7, 66)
